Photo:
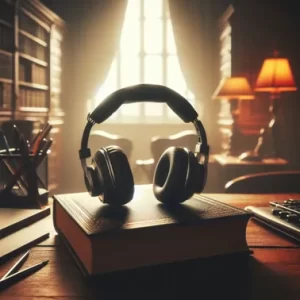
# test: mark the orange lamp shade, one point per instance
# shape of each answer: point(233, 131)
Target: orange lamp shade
point(275, 76)
point(234, 88)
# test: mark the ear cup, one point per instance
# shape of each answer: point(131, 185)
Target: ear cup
point(202, 176)
point(171, 175)
point(93, 183)
point(114, 169)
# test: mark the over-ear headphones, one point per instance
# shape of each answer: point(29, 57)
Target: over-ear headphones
point(179, 172)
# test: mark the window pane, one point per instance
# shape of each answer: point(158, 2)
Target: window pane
point(153, 74)
point(130, 37)
point(171, 46)
point(130, 70)
point(153, 36)
point(153, 8)
point(133, 10)
point(153, 69)
point(175, 79)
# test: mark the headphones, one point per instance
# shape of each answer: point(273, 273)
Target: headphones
point(179, 172)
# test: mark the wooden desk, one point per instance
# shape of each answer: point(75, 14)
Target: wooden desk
point(272, 272)
point(223, 168)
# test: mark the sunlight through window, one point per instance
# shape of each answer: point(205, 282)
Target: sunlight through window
point(147, 54)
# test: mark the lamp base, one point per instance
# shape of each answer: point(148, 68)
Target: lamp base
point(251, 155)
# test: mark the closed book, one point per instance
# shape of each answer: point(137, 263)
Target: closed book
point(14, 219)
point(145, 232)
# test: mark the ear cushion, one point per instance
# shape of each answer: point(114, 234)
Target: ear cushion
point(170, 183)
point(93, 182)
point(117, 177)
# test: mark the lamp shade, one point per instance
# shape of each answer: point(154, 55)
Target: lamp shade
point(234, 88)
point(275, 76)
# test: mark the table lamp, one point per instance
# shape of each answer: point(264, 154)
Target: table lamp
point(274, 77)
point(234, 89)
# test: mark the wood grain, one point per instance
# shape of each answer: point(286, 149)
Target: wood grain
point(272, 272)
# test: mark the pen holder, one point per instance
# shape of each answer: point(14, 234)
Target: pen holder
point(21, 184)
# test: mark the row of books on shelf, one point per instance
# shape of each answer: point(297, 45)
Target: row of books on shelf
point(30, 26)
point(31, 48)
point(5, 95)
point(32, 98)
point(6, 38)
point(31, 72)
point(5, 66)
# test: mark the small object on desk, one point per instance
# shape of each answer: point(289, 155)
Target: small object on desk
point(14, 219)
point(283, 217)
point(32, 192)
point(250, 156)
point(13, 275)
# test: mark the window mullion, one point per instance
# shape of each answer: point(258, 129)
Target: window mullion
point(142, 55)
point(118, 71)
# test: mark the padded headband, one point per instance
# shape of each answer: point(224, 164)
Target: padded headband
point(141, 93)
point(144, 92)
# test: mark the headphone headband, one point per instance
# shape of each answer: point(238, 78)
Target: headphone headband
point(140, 93)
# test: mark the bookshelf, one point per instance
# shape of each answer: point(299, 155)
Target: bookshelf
point(31, 39)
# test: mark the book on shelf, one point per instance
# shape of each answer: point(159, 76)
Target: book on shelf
point(5, 95)
point(144, 232)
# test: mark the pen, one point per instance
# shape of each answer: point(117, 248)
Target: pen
point(21, 274)
point(17, 265)
point(11, 164)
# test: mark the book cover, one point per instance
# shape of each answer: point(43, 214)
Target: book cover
point(14, 219)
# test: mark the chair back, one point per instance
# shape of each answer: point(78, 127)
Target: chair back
point(100, 138)
point(186, 138)
point(265, 183)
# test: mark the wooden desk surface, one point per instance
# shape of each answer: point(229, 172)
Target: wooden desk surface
point(272, 272)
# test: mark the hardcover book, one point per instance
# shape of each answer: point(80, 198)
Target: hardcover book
point(145, 232)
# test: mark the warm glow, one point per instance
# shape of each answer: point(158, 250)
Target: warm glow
point(234, 88)
point(275, 76)
point(147, 54)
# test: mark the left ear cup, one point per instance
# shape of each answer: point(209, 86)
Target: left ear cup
point(169, 182)
point(114, 169)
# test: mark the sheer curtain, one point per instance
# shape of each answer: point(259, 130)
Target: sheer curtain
point(191, 38)
point(92, 39)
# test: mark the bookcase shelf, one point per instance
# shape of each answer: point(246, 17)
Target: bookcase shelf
point(34, 85)
point(33, 59)
point(5, 23)
point(31, 38)
point(5, 80)
point(4, 52)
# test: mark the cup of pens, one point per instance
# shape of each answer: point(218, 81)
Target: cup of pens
point(21, 184)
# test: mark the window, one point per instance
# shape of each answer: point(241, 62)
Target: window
point(147, 54)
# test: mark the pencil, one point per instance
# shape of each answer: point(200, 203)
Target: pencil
point(21, 274)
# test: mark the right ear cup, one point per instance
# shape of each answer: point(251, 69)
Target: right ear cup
point(169, 182)
point(113, 169)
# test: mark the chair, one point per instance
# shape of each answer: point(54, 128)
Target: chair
point(265, 183)
point(100, 138)
point(186, 138)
